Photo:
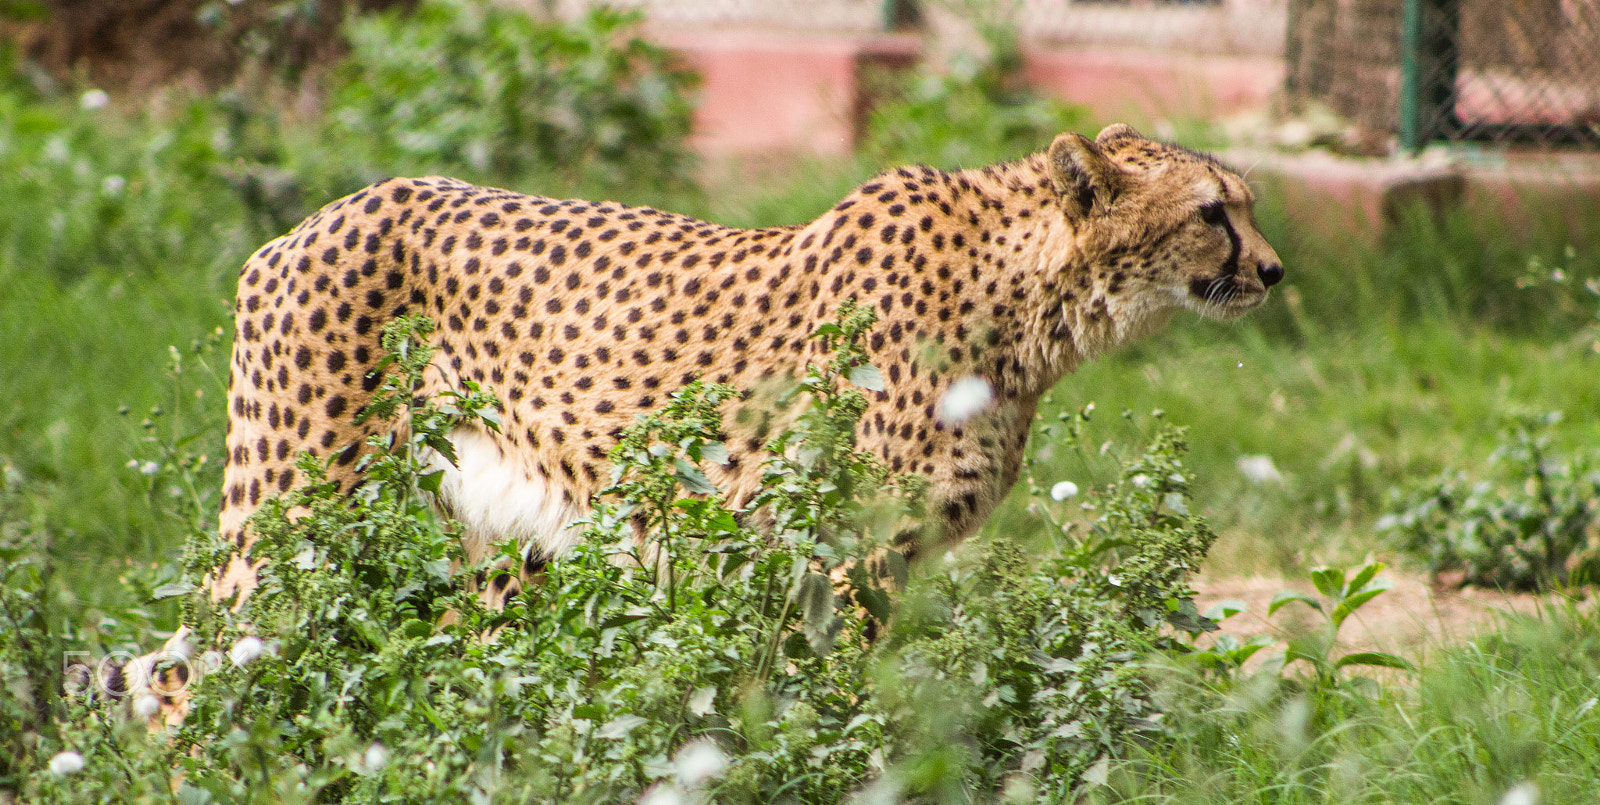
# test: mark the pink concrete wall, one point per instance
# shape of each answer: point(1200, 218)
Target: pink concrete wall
point(770, 93)
point(1140, 86)
point(773, 93)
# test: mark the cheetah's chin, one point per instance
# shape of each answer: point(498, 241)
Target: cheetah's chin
point(1232, 310)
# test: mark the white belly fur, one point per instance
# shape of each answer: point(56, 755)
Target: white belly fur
point(495, 496)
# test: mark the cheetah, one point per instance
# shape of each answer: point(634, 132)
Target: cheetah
point(581, 315)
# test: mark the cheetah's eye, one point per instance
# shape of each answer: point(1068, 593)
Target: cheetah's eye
point(1213, 213)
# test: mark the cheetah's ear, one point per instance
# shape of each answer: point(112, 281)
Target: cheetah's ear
point(1115, 132)
point(1086, 179)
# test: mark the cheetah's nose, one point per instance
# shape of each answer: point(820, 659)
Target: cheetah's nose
point(1270, 273)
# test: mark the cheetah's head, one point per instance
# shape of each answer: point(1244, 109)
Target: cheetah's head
point(1174, 227)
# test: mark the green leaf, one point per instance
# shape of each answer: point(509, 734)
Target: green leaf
point(620, 726)
point(1376, 658)
point(1223, 610)
point(895, 568)
point(431, 481)
point(795, 647)
point(819, 623)
point(1250, 647)
point(172, 590)
point(1328, 580)
point(714, 452)
point(1189, 619)
point(867, 376)
point(443, 446)
point(1312, 648)
point(1365, 575)
point(1286, 596)
point(1354, 602)
point(490, 417)
point(875, 601)
point(634, 614)
point(692, 478)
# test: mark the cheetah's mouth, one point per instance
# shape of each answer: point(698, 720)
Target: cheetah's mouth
point(1224, 296)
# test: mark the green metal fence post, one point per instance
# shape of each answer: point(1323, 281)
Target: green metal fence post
point(1429, 62)
point(1410, 59)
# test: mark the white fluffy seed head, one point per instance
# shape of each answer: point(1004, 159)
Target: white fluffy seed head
point(698, 762)
point(377, 756)
point(1064, 490)
point(146, 706)
point(94, 99)
point(1523, 793)
point(663, 794)
point(1259, 469)
point(178, 646)
point(965, 399)
point(65, 763)
point(246, 650)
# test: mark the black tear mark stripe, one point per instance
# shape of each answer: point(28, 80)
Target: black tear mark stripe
point(1230, 267)
point(1216, 214)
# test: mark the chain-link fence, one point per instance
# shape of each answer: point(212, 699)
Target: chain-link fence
point(1521, 72)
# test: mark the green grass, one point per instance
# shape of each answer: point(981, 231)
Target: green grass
point(1514, 707)
point(1344, 417)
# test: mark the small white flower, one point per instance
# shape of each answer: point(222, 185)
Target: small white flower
point(1064, 490)
point(377, 756)
point(663, 794)
point(964, 399)
point(178, 645)
point(1259, 469)
point(149, 468)
point(56, 150)
point(94, 99)
point(246, 650)
point(698, 762)
point(1141, 480)
point(113, 185)
point(65, 763)
point(1523, 793)
point(210, 661)
point(146, 706)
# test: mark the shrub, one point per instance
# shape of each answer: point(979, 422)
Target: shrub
point(978, 113)
point(29, 654)
point(463, 87)
point(1534, 525)
point(162, 41)
point(717, 662)
point(468, 86)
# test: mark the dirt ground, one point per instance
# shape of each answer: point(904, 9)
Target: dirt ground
point(1415, 616)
